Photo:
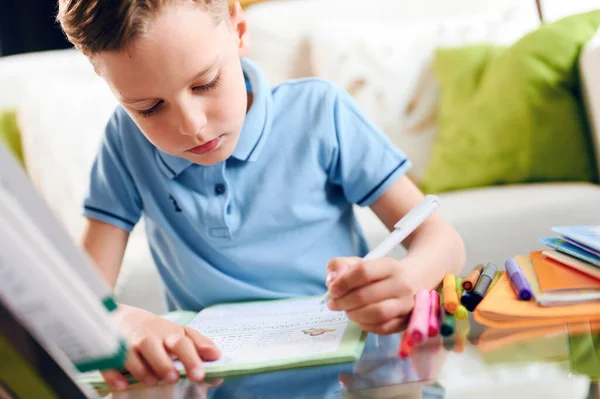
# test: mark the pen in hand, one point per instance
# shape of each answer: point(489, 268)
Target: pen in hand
point(413, 219)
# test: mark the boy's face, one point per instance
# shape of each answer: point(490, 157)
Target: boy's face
point(182, 82)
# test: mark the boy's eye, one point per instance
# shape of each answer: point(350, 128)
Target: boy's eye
point(209, 86)
point(153, 109)
point(203, 88)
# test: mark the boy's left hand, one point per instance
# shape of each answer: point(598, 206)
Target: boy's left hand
point(377, 294)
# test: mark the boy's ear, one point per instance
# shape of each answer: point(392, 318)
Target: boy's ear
point(240, 26)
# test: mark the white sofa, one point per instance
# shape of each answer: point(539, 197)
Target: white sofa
point(63, 106)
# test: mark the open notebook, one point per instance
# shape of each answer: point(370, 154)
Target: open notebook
point(268, 335)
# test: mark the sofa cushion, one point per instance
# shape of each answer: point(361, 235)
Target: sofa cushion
point(514, 115)
point(280, 30)
point(16, 71)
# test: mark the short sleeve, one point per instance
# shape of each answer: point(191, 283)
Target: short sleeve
point(365, 163)
point(112, 195)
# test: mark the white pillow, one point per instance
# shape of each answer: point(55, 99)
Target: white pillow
point(280, 30)
point(387, 67)
point(62, 121)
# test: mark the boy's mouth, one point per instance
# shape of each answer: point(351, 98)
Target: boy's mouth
point(206, 147)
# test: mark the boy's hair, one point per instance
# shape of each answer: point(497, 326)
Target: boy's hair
point(110, 25)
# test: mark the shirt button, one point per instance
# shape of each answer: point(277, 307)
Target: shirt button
point(219, 189)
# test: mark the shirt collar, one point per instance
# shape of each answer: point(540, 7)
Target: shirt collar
point(256, 128)
point(257, 124)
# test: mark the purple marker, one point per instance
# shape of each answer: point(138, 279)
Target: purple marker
point(518, 280)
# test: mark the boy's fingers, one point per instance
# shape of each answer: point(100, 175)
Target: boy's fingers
point(151, 349)
point(378, 313)
point(139, 370)
point(205, 347)
point(185, 350)
point(370, 293)
point(338, 266)
point(359, 275)
point(115, 379)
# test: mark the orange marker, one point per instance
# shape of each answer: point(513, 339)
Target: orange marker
point(450, 294)
point(406, 346)
point(470, 281)
point(459, 343)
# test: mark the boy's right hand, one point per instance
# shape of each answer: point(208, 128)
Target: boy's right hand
point(153, 345)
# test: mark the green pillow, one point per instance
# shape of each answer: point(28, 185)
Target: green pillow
point(513, 114)
point(9, 134)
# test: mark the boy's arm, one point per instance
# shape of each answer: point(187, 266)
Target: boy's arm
point(434, 248)
point(105, 244)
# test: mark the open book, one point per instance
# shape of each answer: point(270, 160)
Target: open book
point(268, 335)
point(48, 283)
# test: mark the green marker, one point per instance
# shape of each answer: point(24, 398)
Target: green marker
point(447, 328)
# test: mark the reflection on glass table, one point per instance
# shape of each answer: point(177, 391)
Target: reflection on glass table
point(559, 361)
point(378, 373)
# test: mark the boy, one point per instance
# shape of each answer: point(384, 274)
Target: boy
point(247, 191)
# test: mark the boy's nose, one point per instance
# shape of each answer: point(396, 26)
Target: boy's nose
point(192, 123)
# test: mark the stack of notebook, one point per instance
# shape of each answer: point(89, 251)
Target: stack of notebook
point(564, 280)
point(577, 247)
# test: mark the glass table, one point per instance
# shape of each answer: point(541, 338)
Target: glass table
point(560, 361)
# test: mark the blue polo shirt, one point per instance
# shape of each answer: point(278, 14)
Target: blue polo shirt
point(264, 223)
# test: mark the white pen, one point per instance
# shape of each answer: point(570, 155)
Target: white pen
point(403, 229)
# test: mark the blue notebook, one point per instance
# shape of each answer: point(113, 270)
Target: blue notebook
point(561, 245)
point(587, 236)
point(580, 245)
